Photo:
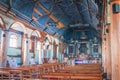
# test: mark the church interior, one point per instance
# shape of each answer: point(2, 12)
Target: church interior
point(59, 40)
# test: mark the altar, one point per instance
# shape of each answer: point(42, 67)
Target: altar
point(81, 61)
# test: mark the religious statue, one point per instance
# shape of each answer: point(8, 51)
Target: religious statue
point(83, 48)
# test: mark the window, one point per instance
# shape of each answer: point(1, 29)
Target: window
point(13, 41)
point(32, 44)
point(38, 46)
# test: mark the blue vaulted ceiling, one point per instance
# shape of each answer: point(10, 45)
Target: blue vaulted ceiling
point(76, 16)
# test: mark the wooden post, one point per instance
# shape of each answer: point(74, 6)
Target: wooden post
point(1, 51)
point(115, 41)
point(54, 50)
point(22, 51)
point(5, 44)
point(35, 44)
point(60, 52)
point(27, 51)
point(108, 52)
point(104, 53)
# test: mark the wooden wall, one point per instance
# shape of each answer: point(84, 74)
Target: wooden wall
point(115, 42)
point(111, 44)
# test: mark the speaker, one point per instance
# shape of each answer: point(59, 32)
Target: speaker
point(116, 8)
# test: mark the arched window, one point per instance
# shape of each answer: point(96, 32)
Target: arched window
point(13, 41)
point(38, 45)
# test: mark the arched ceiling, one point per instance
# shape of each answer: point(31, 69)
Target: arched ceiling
point(66, 18)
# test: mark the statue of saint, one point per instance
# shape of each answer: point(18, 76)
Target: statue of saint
point(83, 48)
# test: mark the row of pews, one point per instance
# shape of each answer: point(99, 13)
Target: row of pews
point(78, 72)
point(28, 72)
point(53, 71)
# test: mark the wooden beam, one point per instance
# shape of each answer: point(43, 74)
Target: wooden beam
point(38, 12)
point(60, 24)
point(1, 8)
point(7, 11)
point(34, 18)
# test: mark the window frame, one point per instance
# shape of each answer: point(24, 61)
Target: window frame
point(13, 41)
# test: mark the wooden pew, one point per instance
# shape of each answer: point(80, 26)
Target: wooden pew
point(29, 72)
point(17, 72)
point(45, 69)
point(87, 76)
point(70, 76)
point(83, 72)
point(61, 71)
point(4, 75)
point(55, 76)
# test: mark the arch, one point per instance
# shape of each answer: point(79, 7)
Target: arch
point(49, 38)
point(54, 49)
point(34, 43)
point(35, 32)
point(56, 40)
point(43, 35)
point(18, 26)
point(2, 23)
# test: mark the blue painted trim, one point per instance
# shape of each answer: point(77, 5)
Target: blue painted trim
point(6, 30)
point(22, 33)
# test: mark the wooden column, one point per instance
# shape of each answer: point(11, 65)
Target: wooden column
point(5, 44)
point(108, 52)
point(22, 51)
point(60, 51)
point(27, 50)
point(104, 53)
point(35, 44)
point(54, 50)
point(42, 51)
point(1, 46)
point(115, 41)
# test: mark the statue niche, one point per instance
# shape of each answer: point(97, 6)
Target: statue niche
point(83, 48)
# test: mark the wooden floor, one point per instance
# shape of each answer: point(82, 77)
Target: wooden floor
point(53, 72)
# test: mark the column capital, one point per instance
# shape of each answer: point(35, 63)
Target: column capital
point(5, 33)
point(26, 35)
